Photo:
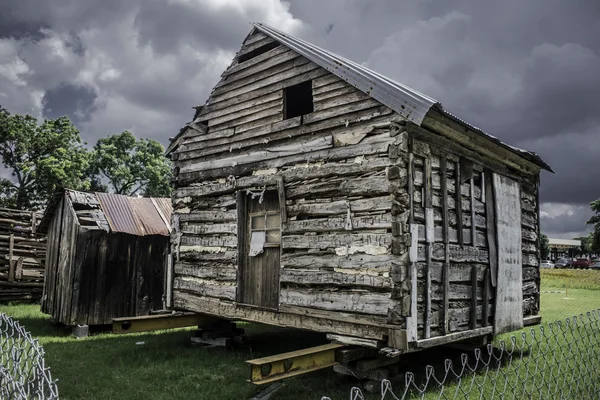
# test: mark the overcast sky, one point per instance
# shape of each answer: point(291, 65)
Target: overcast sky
point(524, 71)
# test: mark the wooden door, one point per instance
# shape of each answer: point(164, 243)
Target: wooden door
point(508, 314)
point(259, 256)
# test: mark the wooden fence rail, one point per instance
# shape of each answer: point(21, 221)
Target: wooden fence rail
point(22, 255)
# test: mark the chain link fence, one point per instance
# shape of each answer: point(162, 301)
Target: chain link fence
point(559, 360)
point(22, 371)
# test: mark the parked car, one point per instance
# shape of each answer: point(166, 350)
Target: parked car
point(564, 263)
point(547, 264)
point(596, 265)
point(581, 263)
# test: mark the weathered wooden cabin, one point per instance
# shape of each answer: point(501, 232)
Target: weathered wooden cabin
point(312, 192)
point(106, 257)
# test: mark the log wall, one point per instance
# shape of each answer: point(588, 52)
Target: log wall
point(336, 243)
point(22, 255)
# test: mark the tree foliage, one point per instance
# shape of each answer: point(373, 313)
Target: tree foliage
point(40, 158)
point(545, 246)
point(124, 165)
point(595, 220)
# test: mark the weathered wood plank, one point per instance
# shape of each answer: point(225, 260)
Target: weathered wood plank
point(208, 216)
point(317, 261)
point(200, 229)
point(216, 272)
point(382, 221)
point(508, 315)
point(374, 186)
point(248, 158)
point(202, 287)
point(383, 203)
point(209, 241)
point(363, 302)
point(457, 253)
point(380, 241)
point(326, 278)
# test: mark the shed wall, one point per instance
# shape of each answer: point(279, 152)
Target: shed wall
point(93, 276)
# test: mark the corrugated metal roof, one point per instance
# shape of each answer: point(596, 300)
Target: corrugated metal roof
point(409, 103)
point(138, 216)
point(134, 215)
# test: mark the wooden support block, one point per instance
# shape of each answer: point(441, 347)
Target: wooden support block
point(268, 392)
point(376, 374)
point(355, 341)
point(346, 355)
point(374, 363)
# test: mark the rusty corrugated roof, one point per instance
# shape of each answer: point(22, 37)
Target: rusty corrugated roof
point(135, 215)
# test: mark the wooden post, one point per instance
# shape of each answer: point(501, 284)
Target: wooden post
point(33, 222)
point(11, 245)
point(473, 297)
point(486, 297)
point(490, 217)
point(411, 322)
point(473, 232)
point(281, 193)
point(446, 265)
point(429, 236)
point(458, 195)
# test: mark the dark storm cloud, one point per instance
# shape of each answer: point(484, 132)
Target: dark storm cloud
point(75, 102)
point(524, 71)
point(565, 222)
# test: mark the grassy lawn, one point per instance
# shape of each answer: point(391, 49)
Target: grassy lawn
point(166, 365)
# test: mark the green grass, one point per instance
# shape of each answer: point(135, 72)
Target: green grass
point(167, 366)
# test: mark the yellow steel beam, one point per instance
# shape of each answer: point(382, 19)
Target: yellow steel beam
point(159, 321)
point(285, 365)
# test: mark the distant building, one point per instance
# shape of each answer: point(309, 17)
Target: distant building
point(562, 247)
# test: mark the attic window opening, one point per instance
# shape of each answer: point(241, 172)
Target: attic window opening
point(298, 100)
point(257, 52)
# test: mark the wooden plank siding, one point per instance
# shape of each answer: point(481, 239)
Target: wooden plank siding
point(450, 265)
point(336, 243)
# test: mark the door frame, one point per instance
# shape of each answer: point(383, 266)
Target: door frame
point(243, 227)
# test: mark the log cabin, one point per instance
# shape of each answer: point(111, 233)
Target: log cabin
point(314, 193)
point(106, 256)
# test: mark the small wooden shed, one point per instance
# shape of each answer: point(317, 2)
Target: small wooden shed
point(312, 192)
point(106, 256)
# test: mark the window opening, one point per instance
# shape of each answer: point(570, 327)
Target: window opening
point(298, 100)
point(264, 231)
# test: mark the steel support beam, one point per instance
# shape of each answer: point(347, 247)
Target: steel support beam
point(160, 321)
point(285, 365)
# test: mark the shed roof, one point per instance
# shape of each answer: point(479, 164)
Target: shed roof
point(111, 212)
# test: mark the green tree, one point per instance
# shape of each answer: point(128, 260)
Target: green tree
point(40, 159)
point(595, 220)
point(545, 246)
point(124, 165)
